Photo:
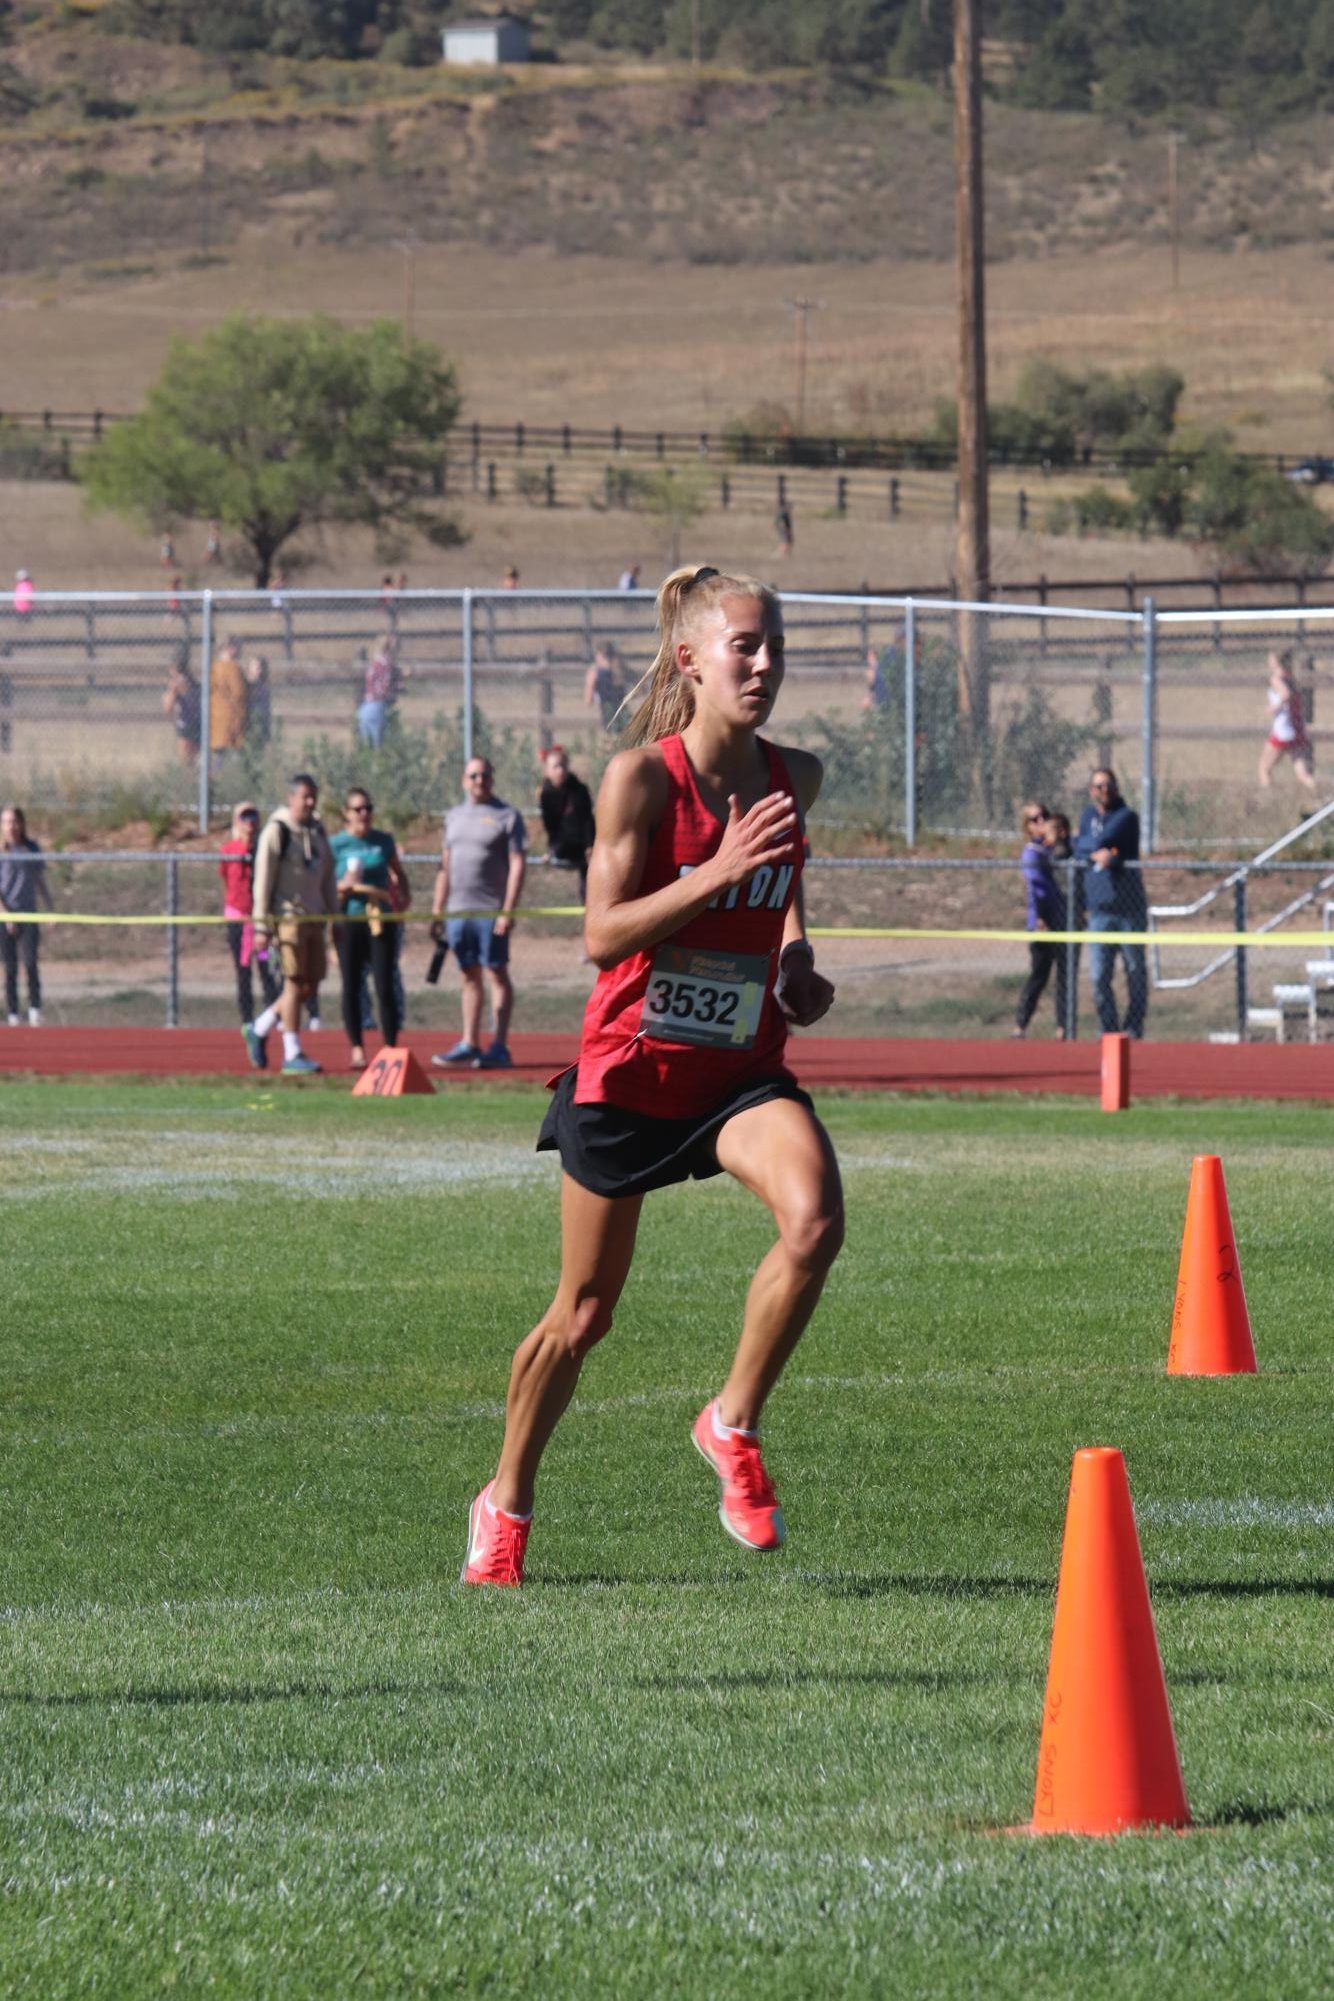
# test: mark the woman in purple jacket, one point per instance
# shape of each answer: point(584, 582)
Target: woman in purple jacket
point(1045, 912)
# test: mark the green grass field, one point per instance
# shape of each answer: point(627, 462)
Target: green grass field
point(257, 1740)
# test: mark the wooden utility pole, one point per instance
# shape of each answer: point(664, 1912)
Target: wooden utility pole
point(801, 309)
point(408, 245)
point(973, 539)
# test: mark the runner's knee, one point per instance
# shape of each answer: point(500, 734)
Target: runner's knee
point(812, 1232)
point(584, 1326)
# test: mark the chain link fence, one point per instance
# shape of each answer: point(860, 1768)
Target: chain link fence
point(932, 718)
point(934, 721)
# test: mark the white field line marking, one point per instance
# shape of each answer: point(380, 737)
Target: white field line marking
point(1241, 1512)
point(427, 1417)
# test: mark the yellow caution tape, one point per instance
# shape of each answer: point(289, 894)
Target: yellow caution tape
point(344, 917)
point(1324, 940)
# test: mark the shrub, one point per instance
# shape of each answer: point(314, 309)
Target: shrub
point(411, 46)
point(1034, 751)
point(863, 788)
point(1100, 511)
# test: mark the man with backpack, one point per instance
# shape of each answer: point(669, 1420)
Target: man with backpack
point(295, 892)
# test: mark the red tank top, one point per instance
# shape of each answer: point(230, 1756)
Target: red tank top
point(670, 1031)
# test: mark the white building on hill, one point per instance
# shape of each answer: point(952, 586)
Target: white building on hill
point(491, 38)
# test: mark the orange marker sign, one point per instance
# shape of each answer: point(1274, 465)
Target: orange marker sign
point(394, 1073)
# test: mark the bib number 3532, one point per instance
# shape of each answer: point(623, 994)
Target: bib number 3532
point(713, 998)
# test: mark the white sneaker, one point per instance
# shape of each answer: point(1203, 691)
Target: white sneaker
point(313, 1024)
point(34, 1017)
point(13, 1021)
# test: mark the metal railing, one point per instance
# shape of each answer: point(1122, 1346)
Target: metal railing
point(1237, 881)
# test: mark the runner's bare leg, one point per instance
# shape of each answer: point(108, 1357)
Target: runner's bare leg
point(782, 1154)
point(597, 1246)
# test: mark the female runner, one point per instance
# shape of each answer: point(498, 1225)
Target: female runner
point(695, 920)
point(1287, 724)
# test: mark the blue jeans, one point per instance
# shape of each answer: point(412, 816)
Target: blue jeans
point(371, 719)
point(1102, 965)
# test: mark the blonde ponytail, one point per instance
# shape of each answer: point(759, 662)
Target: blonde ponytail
point(683, 597)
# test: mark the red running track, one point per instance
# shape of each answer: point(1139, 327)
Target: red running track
point(1158, 1069)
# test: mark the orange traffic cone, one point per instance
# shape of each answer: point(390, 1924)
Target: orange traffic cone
point(394, 1073)
point(1107, 1759)
point(1211, 1329)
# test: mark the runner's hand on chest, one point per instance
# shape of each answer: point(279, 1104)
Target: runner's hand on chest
point(767, 833)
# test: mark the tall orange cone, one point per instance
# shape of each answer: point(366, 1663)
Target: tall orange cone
point(1211, 1329)
point(1107, 1758)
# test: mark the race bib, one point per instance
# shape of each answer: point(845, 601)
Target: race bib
point(714, 998)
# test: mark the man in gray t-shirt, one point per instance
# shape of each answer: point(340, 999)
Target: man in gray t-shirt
point(483, 858)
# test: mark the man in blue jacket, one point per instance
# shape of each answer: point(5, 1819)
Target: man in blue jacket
point(1108, 839)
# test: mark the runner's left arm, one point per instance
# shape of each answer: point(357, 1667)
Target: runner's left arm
point(803, 994)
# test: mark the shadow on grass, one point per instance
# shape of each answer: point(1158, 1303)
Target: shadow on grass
point(944, 1586)
point(938, 1584)
point(210, 1693)
point(930, 1585)
point(780, 1677)
point(1251, 1813)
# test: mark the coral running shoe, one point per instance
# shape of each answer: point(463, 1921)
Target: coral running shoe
point(496, 1543)
point(749, 1509)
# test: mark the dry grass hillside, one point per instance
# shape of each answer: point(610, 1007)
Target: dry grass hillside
point(614, 244)
point(128, 148)
point(596, 340)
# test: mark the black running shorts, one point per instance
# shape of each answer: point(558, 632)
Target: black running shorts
point(611, 1151)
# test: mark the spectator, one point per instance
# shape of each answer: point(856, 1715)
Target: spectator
point(24, 593)
point(23, 886)
point(294, 894)
point(629, 578)
point(567, 815)
point(783, 529)
point(213, 543)
point(482, 866)
point(384, 680)
point(606, 683)
point(259, 702)
point(877, 687)
point(181, 705)
point(237, 870)
point(1045, 912)
point(166, 551)
point(1069, 878)
point(371, 881)
point(1287, 725)
point(400, 899)
point(510, 580)
point(1108, 843)
point(227, 703)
